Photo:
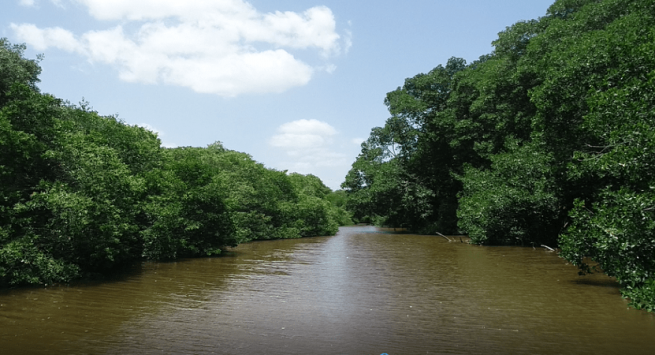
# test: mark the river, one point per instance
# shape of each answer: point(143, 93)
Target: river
point(363, 291)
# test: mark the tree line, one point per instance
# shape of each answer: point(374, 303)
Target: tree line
point(83, 195)
point(549, 139)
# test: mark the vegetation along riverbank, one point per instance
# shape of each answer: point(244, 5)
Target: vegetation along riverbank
point(549, 139)
point(82, 194)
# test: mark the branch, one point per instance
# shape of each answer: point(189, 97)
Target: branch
point(443, 236)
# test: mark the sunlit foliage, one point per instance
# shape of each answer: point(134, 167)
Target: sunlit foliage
point(83, 194)
point(549, 139)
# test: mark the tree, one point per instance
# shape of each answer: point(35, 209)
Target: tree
point(614, 225)
point(15, 69)
point(514, 202)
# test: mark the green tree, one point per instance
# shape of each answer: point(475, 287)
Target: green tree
point(553, 129)
point(514, 202)
point(613, 225)
point(27, 129)
point(189, 215)
point(15, 69)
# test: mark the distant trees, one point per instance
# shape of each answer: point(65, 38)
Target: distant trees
point(548, 139)
point(82, 194)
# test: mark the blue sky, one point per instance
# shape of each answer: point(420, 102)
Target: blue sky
point(296, 84)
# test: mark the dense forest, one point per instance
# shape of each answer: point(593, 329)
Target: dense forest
point(82, 195)
point(547, 140)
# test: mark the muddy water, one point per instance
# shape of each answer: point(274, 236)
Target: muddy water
point(359, 292)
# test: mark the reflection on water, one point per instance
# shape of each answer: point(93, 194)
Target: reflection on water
point(354, 293)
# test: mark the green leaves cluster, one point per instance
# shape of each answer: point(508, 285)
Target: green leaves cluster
point(82, 194)
point(549, 139)
point(514, 202)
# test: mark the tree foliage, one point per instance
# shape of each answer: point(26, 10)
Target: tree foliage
point(83, 194)
point(548, 139)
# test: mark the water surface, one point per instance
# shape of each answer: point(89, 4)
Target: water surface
point(358, 292)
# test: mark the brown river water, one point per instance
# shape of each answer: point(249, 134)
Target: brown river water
point(363, 291)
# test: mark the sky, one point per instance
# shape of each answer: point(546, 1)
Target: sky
point(297, 84)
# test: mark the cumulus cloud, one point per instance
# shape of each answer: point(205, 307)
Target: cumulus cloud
point(225, 47)
point(51, 37)
point(303, 134)
point(308, 144)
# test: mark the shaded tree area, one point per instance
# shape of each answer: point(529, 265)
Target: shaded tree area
point(82, 194)
point(549, 139)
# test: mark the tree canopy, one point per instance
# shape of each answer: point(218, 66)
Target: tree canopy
point(83, 194)
point(548, 139)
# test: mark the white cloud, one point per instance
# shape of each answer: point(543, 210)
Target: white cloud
point(50, 37)
point(314, 147)
point(308, 144)
point(303, 134)
point(330, 68)
point(357, 141)
point(308, 126)
point(225, 47)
